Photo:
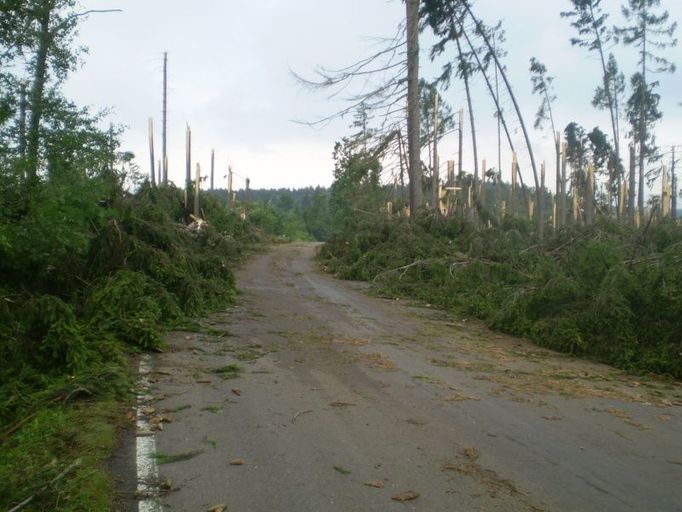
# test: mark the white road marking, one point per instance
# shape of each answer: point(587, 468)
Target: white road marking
point(145, 444)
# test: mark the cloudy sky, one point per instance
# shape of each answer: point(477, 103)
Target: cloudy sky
point(230, 78)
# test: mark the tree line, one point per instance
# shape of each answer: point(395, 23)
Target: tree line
point(400, 121)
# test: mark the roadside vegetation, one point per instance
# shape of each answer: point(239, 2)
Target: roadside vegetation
point(96, 264)
point(605, 291)
point(588, 265)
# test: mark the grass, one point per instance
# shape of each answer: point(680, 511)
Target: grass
point(249, 354)
point(230, 371)
point(426, 378)
point(179, 408)
point(167, 458)
point(342, 470)
point(51, 443)
point(212, 408)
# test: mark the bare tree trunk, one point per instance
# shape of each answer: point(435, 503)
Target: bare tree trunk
point(642, 133)
point(23, 107)
point(212, 167)
point(188, 167)
point(413, 146)
point(631, 190)
point(541, 199)
point(230, 199)
point(589, 195)
point(401, 155)
point(164, 132)
point(435, 182)
point(515, 173)
point(197, 190)
point(665, 193)
point(557, 151)
point(37, 92)
point(460, 147)
point(152, 172)
point(563, 197)
point(673, 178)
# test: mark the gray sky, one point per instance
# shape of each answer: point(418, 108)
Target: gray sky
point(229, 78)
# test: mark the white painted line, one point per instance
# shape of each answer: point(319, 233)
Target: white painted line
point(145, 444)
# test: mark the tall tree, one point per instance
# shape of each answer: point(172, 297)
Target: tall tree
point(647, 31)
point(589, 20)
point(52, 26)
point(643, 113)
point(577, 158)
point(413, 146)
point(42, 33)
point(543, 86)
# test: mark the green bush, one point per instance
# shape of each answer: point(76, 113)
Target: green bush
point(606, 291)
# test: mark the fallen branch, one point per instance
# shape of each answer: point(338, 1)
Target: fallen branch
point(61, 475)
point(299, 413)
point(403, 270)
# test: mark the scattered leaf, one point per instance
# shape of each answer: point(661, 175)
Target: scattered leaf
point(218, 508)
point(237, 462)
point(352, 342)
point(470, 453)
point(377, 484)
point(405, 496)
point(230, 371)
point(237, 391)
point(342, 404)
point(164, 458)
point(342, 470)
point(299, 413)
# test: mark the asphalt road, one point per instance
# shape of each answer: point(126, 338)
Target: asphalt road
point(348, 402)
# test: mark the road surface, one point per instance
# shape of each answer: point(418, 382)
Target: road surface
point(341, 401)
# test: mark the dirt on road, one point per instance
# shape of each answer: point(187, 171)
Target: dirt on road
point(313, 395)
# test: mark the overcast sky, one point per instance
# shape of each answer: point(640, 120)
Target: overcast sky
point(230, 79)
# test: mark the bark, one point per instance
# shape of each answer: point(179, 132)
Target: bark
point(212, 167)
point(164, 133)
point(435, 182)
point(631, 188)
point(642, 125)
point(37, 94)
point(673, 178)
point(413, 146)
point(23, 107)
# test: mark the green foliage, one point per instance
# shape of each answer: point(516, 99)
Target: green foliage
point(59, 439)
point(606, 291)
point(284, 214)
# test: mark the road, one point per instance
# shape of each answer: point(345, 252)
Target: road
point(341, 401)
